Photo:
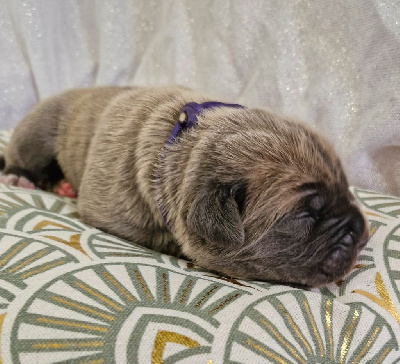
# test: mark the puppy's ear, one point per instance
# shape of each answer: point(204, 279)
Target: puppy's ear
point(215, 215)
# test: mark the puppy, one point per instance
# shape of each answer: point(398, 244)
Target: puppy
point(243, 192)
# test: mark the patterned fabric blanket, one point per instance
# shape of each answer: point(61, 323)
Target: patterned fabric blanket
point(70, 293)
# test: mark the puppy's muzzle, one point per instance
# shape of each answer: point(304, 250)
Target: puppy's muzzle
point(351, 237)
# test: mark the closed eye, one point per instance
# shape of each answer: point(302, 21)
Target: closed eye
point(307, 215)
point(307, 220)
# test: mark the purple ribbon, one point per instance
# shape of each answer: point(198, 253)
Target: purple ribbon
point(187, 119)
point(190, 112)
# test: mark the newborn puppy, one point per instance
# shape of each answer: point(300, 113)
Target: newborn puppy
point(244, 192)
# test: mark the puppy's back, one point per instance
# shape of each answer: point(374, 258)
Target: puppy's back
point(60, 127)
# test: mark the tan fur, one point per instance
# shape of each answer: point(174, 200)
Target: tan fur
point(108, 142)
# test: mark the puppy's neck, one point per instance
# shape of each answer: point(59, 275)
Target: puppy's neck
point(188, 117)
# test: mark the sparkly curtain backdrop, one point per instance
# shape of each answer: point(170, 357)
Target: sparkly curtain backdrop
point(334, 64)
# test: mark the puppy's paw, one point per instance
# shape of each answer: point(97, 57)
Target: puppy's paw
point(65, 189)
point(17, 181)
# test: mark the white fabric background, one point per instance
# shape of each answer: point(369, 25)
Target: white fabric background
point(334, 64)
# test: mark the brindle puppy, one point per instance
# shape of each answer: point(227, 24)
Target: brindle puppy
point(246, 193)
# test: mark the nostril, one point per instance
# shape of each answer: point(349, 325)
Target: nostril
point(359, 229)
point(357, 222)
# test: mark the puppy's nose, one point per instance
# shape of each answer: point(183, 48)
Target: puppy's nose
point(359, 228)
point(364, 235)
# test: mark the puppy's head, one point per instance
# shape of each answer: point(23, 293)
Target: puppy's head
point(266, 198)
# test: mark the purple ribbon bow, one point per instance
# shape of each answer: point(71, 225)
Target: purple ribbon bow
point(190, 112)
